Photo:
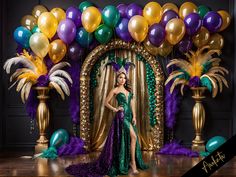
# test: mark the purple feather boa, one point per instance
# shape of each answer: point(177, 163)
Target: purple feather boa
point(74, 71)
point(172, 105)
point(32, 104)
point(175, 148)
point(172, 102)
point(74, 147)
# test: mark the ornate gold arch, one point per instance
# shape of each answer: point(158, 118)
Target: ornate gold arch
point(158, 129)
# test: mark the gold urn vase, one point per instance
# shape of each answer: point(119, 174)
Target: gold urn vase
point(198, 116)
point(42, 116)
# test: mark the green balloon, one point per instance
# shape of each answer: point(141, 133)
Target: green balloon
point(83, 5)
point(110, 16)
point(202, 10)
point(214, 143)
point(35, 29)
point(83, 37)
point(103, 34)
point(59, 138)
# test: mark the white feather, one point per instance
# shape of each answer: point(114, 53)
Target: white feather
point(62, 73)
point(58, 89)
point(27, 63)
point(27, 89)
point(13, 84)
point(22, 95)
point(58, 66)
point(61, 82)
point(21, 83)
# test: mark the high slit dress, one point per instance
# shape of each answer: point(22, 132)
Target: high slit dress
point(116, 155)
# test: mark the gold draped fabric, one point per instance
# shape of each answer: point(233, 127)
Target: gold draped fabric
point(103, 116)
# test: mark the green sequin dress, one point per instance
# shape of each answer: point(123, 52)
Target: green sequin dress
point(116, 155)
point(122, 166)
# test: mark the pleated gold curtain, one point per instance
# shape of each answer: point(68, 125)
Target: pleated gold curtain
point(103, 116)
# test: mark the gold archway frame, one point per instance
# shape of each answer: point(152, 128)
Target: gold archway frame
point(158, 129)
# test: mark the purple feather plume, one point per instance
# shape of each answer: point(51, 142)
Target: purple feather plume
point(32, 104)
point(43, 81)
point(175, 148)
point(74, 147)
point(74, 71)
point(115, 66)
point(127, 65)
point(194, 81)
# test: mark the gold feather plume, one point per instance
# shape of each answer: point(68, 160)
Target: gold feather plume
point(194, 65)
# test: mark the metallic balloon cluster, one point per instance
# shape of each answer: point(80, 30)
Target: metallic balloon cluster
point(58, 32)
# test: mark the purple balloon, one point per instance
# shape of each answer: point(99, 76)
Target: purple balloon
point(192, 23)
point(74, 14)
point(156, 34)
point(167, 16)
point(66, 31)
point(212, 21)
point(132, 10)
point(75, 52)
point(185, 44)
point(122, 10)
point(122, 30)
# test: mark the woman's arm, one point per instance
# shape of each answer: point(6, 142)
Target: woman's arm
point(133, 111)
point(108, 99)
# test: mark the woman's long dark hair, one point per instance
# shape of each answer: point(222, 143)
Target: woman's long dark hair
point(126, 85)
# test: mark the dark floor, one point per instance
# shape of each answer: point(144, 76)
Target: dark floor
point(20, 164)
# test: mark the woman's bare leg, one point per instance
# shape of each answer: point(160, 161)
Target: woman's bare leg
point(132, 149)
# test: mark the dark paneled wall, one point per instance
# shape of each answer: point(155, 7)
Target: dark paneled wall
point(1, 72)
point(15, 124)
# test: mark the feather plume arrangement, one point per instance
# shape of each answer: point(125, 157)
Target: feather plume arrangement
point(200, 69)
point(34, 72)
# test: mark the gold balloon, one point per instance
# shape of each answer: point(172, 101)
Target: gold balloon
point(201, 38)
point(38, 10)
point(150, 48)
point(170, 6)
point(39, 44)
point(216, 41)
point(165, 49)
point(226, 19)
point(175, 30)
point(187, 8)
point(59, 14)
point(28, 21)
point(47, 24)
point(91, 18)
point(152, 12)
point(57, 50)
point(138, 28)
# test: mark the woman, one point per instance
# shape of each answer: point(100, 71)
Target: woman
point(122, 149)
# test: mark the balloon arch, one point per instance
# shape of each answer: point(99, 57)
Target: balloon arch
point(159, 27)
